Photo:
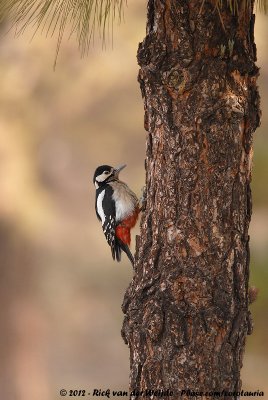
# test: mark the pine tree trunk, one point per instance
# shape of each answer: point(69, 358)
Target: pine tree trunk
point(186, 309)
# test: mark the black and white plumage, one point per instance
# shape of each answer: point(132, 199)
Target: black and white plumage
point(117, 208)
point(105, 210)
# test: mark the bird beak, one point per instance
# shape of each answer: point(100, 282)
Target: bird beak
point(119, 168)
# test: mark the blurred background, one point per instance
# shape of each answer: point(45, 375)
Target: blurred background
point(60, 292)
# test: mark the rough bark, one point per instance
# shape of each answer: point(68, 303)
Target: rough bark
point(186, 309)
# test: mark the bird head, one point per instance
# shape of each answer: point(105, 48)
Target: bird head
point(105, 174)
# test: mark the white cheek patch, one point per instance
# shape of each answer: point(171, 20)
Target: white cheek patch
point(102, 177)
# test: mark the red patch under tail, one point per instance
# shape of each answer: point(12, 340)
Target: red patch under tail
point(122, 231)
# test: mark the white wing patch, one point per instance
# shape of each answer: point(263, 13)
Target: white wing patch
point(108, 222)
point(99, 206)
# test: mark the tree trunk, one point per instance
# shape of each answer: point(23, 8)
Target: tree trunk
point(186, 308)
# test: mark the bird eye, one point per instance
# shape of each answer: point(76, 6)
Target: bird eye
point(106, 172)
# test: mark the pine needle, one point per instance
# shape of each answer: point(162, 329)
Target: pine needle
point(84, 17)
point(235, 5)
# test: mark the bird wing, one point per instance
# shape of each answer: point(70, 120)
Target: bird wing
point(105, 210)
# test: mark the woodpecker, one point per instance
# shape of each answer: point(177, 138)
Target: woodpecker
point(117, 207)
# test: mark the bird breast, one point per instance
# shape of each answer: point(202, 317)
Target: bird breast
point(125, 200)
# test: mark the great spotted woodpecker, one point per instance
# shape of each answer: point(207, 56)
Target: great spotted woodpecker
point(117, 207)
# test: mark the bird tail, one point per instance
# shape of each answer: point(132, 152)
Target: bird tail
point(117, 250)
